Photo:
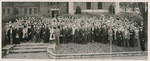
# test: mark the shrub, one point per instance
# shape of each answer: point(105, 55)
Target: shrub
point(111, 9)
point(78, 10)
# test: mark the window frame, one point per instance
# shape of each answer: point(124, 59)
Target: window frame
point(8, 11)
point(3, 11)
point(35, 11)
point(30, 10)
point(25, 10)
point(88, 5)
point(100, 5)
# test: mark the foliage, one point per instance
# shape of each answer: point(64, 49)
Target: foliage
point(131, 16)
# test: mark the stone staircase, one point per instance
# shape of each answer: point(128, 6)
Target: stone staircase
point(29, 48)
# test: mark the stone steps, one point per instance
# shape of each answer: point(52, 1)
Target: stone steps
point(29, 51)
point(30, 44)
point(30, 48)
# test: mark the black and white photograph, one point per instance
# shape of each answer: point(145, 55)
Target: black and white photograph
point(74, 30)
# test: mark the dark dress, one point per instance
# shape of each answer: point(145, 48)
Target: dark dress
point(142, 41)
point(17, 36)
point(10, 36)
point(131, 41)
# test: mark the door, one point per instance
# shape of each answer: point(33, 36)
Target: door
point(55, 13)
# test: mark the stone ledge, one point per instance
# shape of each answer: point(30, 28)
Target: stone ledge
point(7, 49)
point(93, 55)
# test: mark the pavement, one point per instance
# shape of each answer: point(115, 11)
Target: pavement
point(44, 55)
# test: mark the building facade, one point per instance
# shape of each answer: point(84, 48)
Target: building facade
point(33, 8)
point(93, 7)
point(51, 8)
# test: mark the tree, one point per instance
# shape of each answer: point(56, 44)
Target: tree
point(143, 6)
point(134, 5)
point(78, 10)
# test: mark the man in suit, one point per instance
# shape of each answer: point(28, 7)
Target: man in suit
point(5, 31)
point(73, 33)
point(118, 36)
point(92, 33)
point(85, 35)
point(69, 34)
point(17, 36)
point(11, 35)
point(62, 35)
point(21, 33)
point(89, 34)
point(96, 33)
point(131, 41)
point(66, 35)
point(104, 34)
point(57, 35)
point(141, 38)
point(99, 35)
point(126, 38)
point(45, 34)
point(25, 33)
point(110, 35)
point(82, 35)
point(32, 33)
point(29, 33)
point(77, 35)
point(38, 34)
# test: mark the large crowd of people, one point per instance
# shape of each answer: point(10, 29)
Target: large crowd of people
point(84, 29)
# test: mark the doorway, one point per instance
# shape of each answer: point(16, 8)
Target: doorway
point(55, 13)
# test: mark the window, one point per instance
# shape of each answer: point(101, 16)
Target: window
point(51, 2)
point(99, 5)
point(88, 5)
point(30, 10)
point(25, 10)
point(35, 10)
point(48, 3)
point(8, 11)
point(3, 10)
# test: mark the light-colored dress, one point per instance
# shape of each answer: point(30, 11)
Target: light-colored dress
point(52, 35)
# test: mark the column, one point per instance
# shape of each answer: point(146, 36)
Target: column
point(117, 7)
point(71, 10)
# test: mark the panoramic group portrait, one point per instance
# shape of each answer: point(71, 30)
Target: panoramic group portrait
point(74, 30)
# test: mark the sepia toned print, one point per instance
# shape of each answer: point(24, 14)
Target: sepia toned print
point(75, 30)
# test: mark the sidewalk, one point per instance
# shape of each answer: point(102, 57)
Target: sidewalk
point(42, 55)
point(45, 56)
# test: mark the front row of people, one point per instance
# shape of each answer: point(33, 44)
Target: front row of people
point(37, 34)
